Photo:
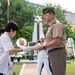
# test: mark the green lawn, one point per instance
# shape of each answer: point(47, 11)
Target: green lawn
point(70, 70)
point(17, 69)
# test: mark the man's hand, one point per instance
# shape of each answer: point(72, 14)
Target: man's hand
point(39, 48)
point(25, 49)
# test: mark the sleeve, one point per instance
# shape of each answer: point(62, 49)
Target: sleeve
point(6, 44)
point(57, 31)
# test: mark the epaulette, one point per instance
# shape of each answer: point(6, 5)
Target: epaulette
point(54, 22)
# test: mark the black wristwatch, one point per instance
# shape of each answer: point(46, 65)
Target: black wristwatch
point(44, 48)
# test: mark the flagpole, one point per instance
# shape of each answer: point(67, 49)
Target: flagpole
point(8, 1)
point(7, 14)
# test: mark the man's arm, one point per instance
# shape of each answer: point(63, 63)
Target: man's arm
point(24, 49)
point(50, 44)
point(53, 42)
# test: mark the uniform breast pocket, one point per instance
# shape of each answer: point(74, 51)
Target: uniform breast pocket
point(49, 34)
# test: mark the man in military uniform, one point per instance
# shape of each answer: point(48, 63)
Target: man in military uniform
point(55, 42)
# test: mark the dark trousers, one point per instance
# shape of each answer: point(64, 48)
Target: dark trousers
point(1, 73)
point(58, 62)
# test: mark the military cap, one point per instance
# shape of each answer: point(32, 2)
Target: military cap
point(48, 10)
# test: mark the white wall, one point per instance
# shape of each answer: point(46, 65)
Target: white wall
point(70, 17)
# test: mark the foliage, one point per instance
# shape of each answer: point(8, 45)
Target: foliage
point(3, 13)
point(20, 11)
point(73, 34)
point(23, 13)
point(69, 31)
point(24, 32)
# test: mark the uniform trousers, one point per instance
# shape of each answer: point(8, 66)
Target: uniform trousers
point(58, 61)
point(45, 62)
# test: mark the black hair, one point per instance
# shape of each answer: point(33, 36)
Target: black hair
point(1, 31)
point(48, 10)
point(11, 25)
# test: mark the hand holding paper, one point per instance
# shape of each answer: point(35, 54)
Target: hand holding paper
point(25, 49)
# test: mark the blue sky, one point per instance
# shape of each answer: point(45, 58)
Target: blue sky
point(65, 4)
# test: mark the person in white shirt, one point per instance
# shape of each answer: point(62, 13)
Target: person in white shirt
point(10, 67)
point(6, 47)
point(42, 58)
point(10, 64)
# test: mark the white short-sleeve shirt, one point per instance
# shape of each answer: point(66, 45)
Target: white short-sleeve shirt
point(5, 46)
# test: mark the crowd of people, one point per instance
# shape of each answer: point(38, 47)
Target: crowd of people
point(51, 50)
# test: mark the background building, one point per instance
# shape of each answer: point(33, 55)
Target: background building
point(71, 17)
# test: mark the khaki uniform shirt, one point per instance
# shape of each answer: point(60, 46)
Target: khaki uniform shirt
point(56, 29)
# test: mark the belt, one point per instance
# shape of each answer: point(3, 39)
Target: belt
point(56, 49)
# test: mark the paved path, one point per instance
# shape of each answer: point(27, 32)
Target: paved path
point(30, 69)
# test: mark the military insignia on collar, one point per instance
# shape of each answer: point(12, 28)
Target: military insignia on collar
point(54, 22)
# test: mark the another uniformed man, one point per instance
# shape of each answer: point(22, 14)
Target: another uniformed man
point(55, 42)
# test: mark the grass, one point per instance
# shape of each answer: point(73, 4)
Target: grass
point(16, 69)
point(70, 68)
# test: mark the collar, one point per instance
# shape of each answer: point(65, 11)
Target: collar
point(7, 36)
point(52, 22)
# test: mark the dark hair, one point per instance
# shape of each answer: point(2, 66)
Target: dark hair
point(11, 25)
point(1, 31)
point(48, 10)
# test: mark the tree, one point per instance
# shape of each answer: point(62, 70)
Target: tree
point(3, 14)
point(24, 32)
point(21, 12)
